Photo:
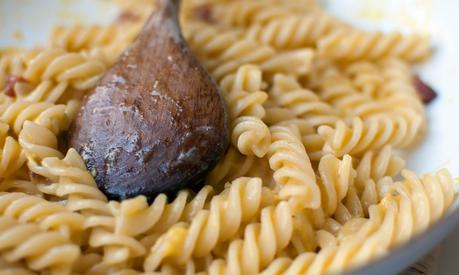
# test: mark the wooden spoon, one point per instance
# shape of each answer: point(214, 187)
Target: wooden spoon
point(156, 122)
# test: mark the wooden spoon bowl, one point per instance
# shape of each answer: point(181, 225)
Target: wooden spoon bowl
point(156, 122)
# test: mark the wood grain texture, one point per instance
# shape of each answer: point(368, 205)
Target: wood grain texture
point(156, 122)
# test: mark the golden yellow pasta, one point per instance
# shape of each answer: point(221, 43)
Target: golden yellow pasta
point(42, 250)
point(371, 134)
point(50, 216)
point(260, 244)
point(351, 45)
point(309, 184)
point(236, 205)
point(293, 31)
point(12, 155)
point(305, 104)
point(363, 239)
point(292, 168)
point(58, 65)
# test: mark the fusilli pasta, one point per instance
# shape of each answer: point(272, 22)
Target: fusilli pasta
point(42, 250)
point(352, 45)
point(308, 185)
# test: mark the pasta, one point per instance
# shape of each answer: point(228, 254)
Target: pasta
point(251, 136)
point(370, 134)
point(50, 216)
point(339, 91)
point(42, 250)
point(244, 99)
point(136, 217)
point(239, 13)
point(305, 104)
point(12, 155)
point(227, 58)
point(49, 115)
point(18, 185)
point(362, 239)
point(11, 63)
point(111, 39)
point(366, 77)
point(249, 133)
point(58, 65)
point(312, 182)
point(336, 178)
point(292, 168)
point(262, 241)
point(234, 165)
point(376, 165)
point(357, 45)
point(292, 31)
point(218, 223)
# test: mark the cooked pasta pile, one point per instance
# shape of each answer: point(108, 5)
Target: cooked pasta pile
point(311, 183)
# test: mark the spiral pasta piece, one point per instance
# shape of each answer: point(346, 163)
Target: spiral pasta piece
point(42, 250)
point(54, 117)
point(288, 93)
point(339, 91)
point(292, 31)
point(296, 62)
point(244, 13)
point(366, 77)
point(398, 88)
point(339, 201)
point(247, 78)
point(242, 100)
point(353, 45)
point(236, 205)
point(78, 38)
point(136, 217)
point(292, 169)
point(46, 91)
point(398, 217)
point(74, 181)
point(389, 81)
point(371, 134)
point(48, 124)
point(38, 142)
point(235, 165)
point(336, 177)
point(345, 255)
point(78, 185)
point(12, 156)
point(421, 200)
point(227, 58)
point(401, 109)
point(261, 243)
point(375, 165)
point(117, 249)
point(58, 65)
point(251, 136)
point(11, 63)
point(18, 185)
point(50, 216)
point(208, 41)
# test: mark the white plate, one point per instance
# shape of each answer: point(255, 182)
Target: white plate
point(28, 22)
